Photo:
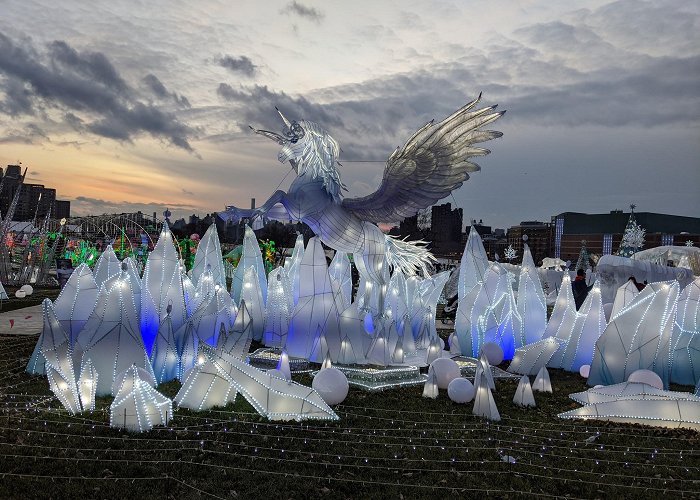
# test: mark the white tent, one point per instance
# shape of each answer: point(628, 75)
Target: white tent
point(685, 343)
point(137, 406)
point(532, 306)
point(278, 309)
point(254, 301)
point(316, 308)
point(111, 336)
point(250, 257)
point(164, 358)
point(162, 286)
point(523, 393)
point(588, 327)
point(76, 301)
point(542, 381)
point(626, 390)
point(473, 264)
point(107, 266)
point(205, 386)
point(484, 404)
point(236, 342)
point(624, 297)
point(529, 359)
point(291, 266)
point(273, 397)
point(638, 337)
point(208, 256)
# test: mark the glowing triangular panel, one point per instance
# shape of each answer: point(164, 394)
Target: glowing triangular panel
point(685, 343)
point(76, 301)
point(473, 265)
point(529, 359)
point(209, 256)
point(111, 337)
point(250, 257)
point(164, 357)
point(532, 306)
point(161, 286)
point(107, 266)
point(523, 393)
point(637, 337)
point(137, 406)
point(484, 404)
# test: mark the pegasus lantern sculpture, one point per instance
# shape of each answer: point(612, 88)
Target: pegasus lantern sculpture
point(433, 162)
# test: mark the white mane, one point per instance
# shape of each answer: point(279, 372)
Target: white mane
point(318, 158)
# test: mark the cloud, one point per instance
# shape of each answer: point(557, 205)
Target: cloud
point(30, 134)
point(86, 87)
point(84, 205)
point(188, 193)
point(297, 9)
point(158, 89)
point(241, 65)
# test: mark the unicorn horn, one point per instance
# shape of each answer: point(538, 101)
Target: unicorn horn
point(284, 119)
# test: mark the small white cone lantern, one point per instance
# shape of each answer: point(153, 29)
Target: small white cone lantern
point(430, 389)
point(484, 404)
point(483, 366)
point(523, 394)
point(327, 361)
point(542, 382)
point(283, 366)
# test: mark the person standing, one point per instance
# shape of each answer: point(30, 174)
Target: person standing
point(580, 289)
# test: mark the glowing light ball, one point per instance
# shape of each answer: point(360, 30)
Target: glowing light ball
point(460, 390)
point(446, 370)
point(646, 377)
point(584, 370)
point(20, 294)
point(28, 290)
point(494, 353)
point(332, 385)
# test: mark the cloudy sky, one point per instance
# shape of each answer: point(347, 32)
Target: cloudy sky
point(146, 103)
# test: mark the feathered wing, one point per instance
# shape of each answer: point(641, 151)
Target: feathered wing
point(432, 163)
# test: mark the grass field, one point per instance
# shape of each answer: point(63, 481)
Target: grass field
point(392, 444)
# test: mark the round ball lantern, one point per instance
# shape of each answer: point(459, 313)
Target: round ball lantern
point(461, 390)
point(446, 370)
point(332, 385)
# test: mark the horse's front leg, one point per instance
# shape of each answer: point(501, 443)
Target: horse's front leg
point(278, 196)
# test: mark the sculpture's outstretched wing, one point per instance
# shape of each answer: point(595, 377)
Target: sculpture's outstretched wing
point(431, 164)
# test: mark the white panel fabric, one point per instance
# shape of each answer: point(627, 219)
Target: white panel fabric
point(523, 393)
point(107, 266)
point(250, 257)
point(209, 256)
point(685, 343)
point(484, 404)
point(236, 342)
point(624, 297)
point(137, 406)
point(532, 306)
point(529, 359)
point(340, 272)
point(638, 337)
point(292, 265)
point(590, 324)
point(76, 301)
point(253, 297)
point(278, 309)
point(273, 397)
point(473, 264)
point(164, 357)
point(162, 286)
point(626, 390)
point(316, 311)
point(205, 386)
point(111, 337)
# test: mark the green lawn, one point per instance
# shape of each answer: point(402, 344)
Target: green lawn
point(393, 444)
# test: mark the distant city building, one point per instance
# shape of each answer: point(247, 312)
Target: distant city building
point(603, 232)
point(539, 239)
point(35, 200)
point(445, 232)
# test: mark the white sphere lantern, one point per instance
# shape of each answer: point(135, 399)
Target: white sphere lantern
point(584, 371)
point(461, 391)
point(20, 294)
point(494, 353)
point(27, 289)
point(446, 370)
point(646, 377)
point(332, 385)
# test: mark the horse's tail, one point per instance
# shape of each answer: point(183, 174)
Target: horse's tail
point(409, 256)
